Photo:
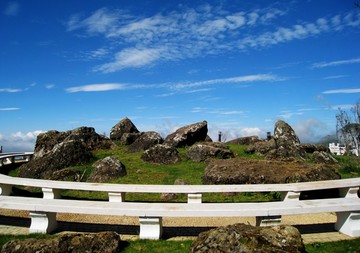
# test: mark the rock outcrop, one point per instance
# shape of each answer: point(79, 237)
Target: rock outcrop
point(284, 145)
point(247, 140)
point(103, 242)
point(250, 171)
point(122, 127)
point(107, 169)
point(145, 141)
point(203, 151)
point(45, 142)
point(57, 150)
point(324, 157)
point(161, 154)
point(242, 238)
point(188, 135)
point(65, 154)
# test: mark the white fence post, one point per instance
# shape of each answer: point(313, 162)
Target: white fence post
point(150, 228)
point(42, 222)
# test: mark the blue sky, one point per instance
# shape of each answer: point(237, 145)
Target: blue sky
point(240, 65)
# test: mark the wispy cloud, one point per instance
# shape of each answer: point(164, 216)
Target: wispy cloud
point(96, 87)
point(9, 109)
point(234, 80)
point(169, 36)
point(184, 87)
point(10, 90)
point(12, 9)
point(336, 63)
point(341, 91)
point(195, 32)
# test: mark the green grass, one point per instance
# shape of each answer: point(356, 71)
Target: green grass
point(348, 246)
point(157, 246)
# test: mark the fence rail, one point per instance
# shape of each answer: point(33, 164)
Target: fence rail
point(14, 157)
point(43, 210)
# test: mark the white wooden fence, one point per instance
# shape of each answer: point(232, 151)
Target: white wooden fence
point(43, 210)
point(14, 157)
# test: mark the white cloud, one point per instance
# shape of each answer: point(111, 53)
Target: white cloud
point(131, 58)
point(19, 141)
point(10, 90)
point(237, 79)
point(336, 63)
point(9, 109)
point(12, 9)
point(310, 130)
point(96, 87)
point(187, 33)
point(341, 91)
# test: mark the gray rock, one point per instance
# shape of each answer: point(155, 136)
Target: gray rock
point(188, 135)
point(202, 151)
point(107, 169)
point(65, 154)
point(250, 171)
point(249, 239)
point(129, 138)
point(245, 140)
point(161, 154)
point(123, 126)
point(324, 157)
point(287, 143)
point(145, 141)
point(57, 150)
point(103, 242)
point(46, 142)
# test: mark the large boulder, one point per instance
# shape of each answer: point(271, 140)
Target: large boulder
point(107, 169)
point(284, 145)
point(202, 151)
point(242, 238)
point(45, 142)
point(188, 135)
point(324, 157)
point(123, 126)
point(103, 242)
point(250, 171)
point(57, 150)
point(145, 141)
point(64, 154)
point(247, 140)
point(287, 143)
point(161, 154)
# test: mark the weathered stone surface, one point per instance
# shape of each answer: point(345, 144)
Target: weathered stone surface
point(287, 143)
point(261, 147)
point(311, 148)
point(188, 135)
point(57, 150)
point(245, 140)
point(248, 239)
point(123, 126)
point(145, 141)
point(324, 157)
point(129, 138)
point(202, 151)
point(107, 169)
point(66, 175)
point(103, 242)
point(65, 154)
point(161, 154)
point(284, 145)
point(250, 171)
point(46, 142)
